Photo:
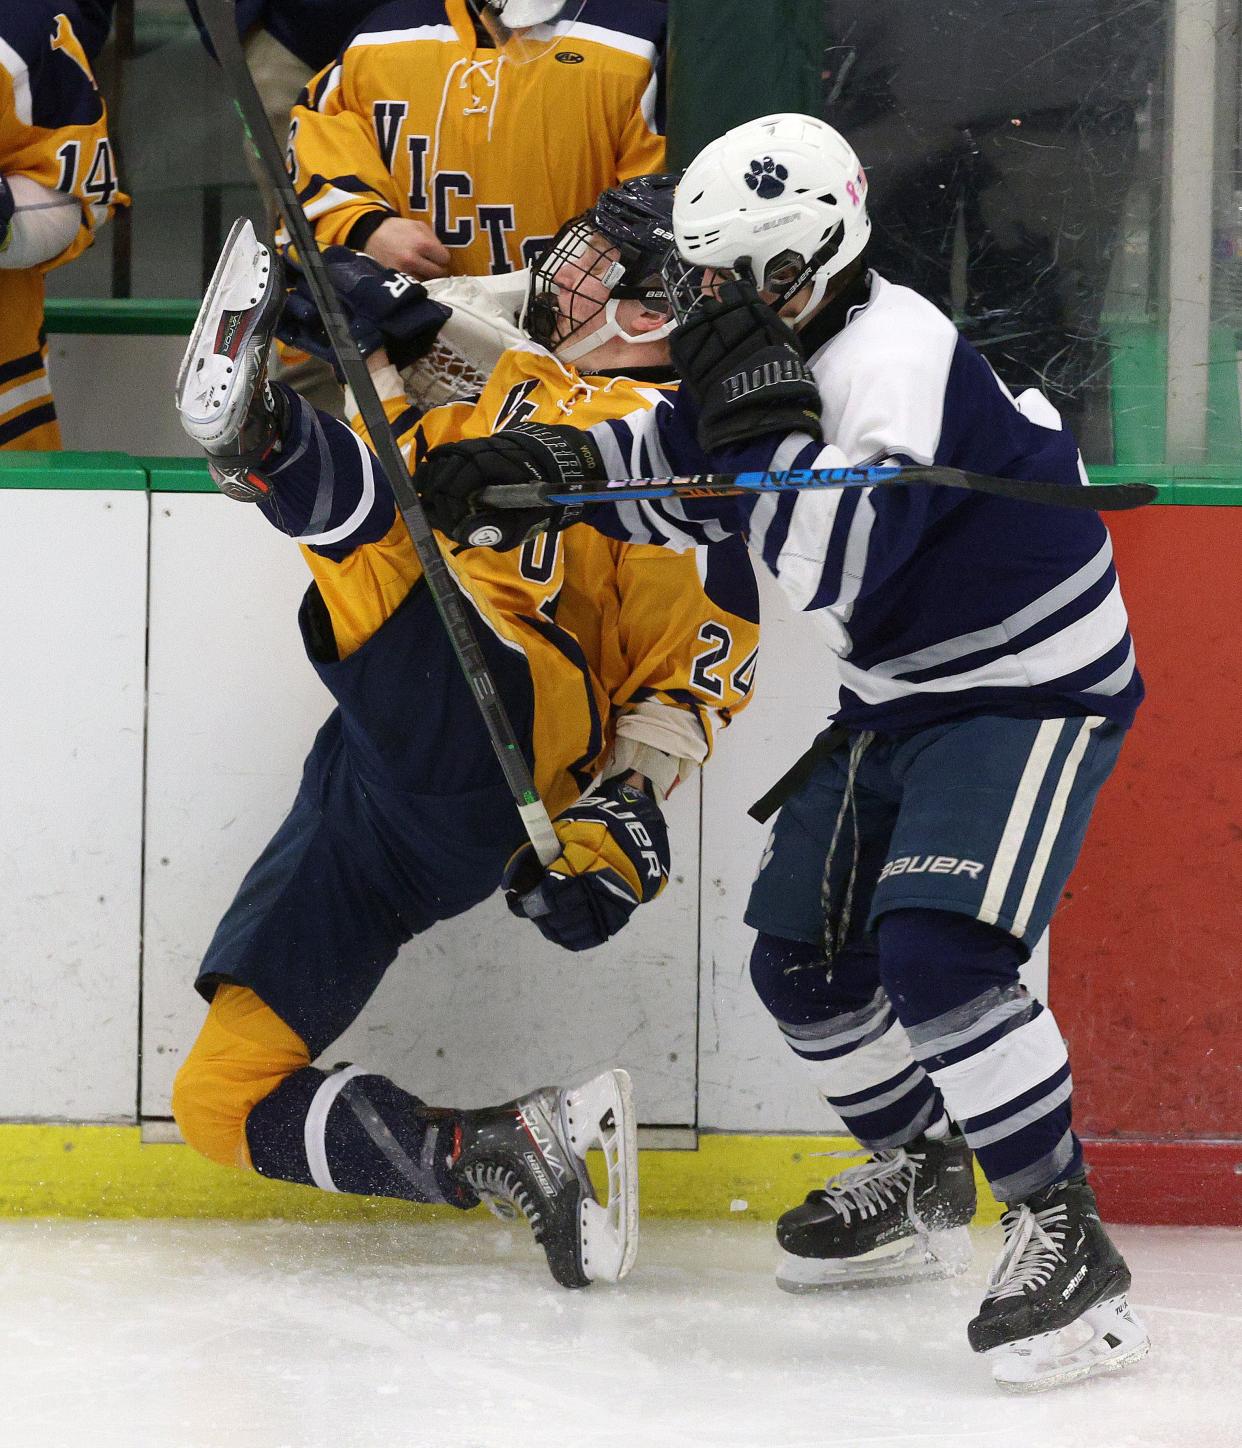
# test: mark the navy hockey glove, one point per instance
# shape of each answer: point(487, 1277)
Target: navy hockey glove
point(385, 308)
point(614, 857)
point(745, 370)
point(451, 477)
point(7, 208)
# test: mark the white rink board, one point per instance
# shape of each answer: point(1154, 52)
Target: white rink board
point(73, 601)
point(475, 1010)
point(233, 708)
point(481, 1008)
point(472, 1011)
point(748, 1079)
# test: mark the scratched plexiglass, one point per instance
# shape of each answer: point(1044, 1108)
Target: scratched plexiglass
point(1017, 155)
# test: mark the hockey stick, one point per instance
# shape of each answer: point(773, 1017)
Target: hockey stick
point(220, 19)
point(1104, 498)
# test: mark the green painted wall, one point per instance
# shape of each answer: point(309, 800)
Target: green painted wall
point(733, 60)
point(1214, 485)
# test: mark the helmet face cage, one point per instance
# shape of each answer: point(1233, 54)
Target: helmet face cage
point(784, 276)
point(575, 279)
point(687, 285)
point(612, 252)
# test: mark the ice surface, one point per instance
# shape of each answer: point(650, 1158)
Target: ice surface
point(274, 1335)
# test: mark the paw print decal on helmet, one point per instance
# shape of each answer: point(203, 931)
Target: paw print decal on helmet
point(767, 177)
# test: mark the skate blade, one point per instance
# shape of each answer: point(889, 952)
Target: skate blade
point(929, 1257)
point(1106, 1339)
point(207, 377)
point(600, 1114)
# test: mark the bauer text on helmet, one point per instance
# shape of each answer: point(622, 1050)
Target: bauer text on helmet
point(780, 200)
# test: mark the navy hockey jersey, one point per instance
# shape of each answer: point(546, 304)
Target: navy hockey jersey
point(939, 603)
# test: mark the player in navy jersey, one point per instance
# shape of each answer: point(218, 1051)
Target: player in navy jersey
point(988, 678)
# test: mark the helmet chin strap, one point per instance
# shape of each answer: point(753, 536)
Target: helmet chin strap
point(814, 272)
point(818, 287)
point(607, 330)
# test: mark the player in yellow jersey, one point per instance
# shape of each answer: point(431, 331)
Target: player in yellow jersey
point(615, 662)
point(454, 136)
point(58, 184)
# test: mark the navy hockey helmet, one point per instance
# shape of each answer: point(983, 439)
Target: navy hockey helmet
point(614, 251)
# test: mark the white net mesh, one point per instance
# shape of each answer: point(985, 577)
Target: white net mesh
point(443, 375)
point(483, 325)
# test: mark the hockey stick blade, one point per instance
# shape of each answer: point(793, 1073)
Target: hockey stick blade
point(220, 18)
point(1104, 498)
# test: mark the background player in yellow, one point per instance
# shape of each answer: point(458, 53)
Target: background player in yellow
point(615, 662)
point(454, 136)
point(58, 183)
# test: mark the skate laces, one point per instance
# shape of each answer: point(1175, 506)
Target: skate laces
point(1032, 1250)
point(504, 1194)
point(866, 1189)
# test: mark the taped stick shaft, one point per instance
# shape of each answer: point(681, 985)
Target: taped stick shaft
point(1105, 498)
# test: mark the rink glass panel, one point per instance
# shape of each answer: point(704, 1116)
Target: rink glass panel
point(1063, 179)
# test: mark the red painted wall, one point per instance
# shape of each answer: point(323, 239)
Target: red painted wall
point(1146, 954)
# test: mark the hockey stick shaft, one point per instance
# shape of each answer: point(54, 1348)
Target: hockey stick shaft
point(1105, 498)
point(220, 19)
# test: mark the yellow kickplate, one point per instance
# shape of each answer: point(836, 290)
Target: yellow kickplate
point(108, 1171)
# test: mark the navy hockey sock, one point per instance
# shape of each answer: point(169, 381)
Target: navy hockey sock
point(841, 1024)
point(322, 478)
point(991, 1047)
point(350, 1131)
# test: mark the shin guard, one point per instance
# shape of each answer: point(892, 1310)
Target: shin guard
point(348, 1130)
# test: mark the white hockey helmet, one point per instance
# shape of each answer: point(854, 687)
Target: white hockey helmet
point(781, 201)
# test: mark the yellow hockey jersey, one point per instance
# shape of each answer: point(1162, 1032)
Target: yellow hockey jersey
point(418, 120)
point(53, 129)
point(637, 654)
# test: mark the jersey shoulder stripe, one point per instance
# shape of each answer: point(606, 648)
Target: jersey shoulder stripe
point(406, 35)
point(25, 422)
point(611, 38)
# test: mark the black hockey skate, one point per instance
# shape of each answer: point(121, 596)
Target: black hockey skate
point(528, 1158)
point(901, 1215)
point(223, 396)
point(1055, 1309)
